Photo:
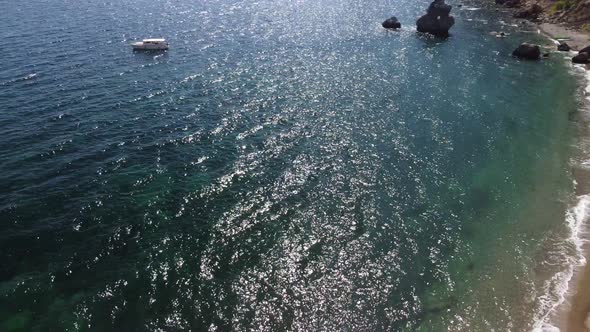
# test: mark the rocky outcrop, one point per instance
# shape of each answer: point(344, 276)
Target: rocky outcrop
point(508, 3)
point(572, 13)
point(391, 23)
point(530, 13)
point(582, 57)
point(527, 51)
point(437, 20)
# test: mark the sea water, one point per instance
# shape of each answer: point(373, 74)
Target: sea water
point(287, 165)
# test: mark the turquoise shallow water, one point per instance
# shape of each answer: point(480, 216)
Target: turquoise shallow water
point(287, 165)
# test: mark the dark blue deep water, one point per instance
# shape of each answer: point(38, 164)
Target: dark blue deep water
point(287, 166)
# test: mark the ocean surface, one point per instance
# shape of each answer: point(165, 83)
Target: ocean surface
point(288, 165)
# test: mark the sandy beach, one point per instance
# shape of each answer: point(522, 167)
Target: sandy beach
point(575, 39)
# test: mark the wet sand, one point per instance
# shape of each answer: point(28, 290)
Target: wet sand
point(580, 304)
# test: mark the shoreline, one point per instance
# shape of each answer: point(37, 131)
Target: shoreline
point(573, 315)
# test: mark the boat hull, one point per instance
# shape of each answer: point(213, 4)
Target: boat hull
point(149, 48)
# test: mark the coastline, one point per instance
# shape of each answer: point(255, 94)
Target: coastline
point(573, 315)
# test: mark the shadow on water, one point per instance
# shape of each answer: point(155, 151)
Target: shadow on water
point(150, 54)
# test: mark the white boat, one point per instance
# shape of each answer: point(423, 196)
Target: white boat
point(154, 44)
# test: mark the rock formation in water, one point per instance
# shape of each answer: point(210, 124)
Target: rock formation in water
point(563, 47)
point(527, 52)
point(437, 20)
point(391, 23)
point(582, 58)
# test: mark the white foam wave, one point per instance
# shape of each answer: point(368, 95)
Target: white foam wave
point(20, 79)
point(585, 164)
point(557, 287)
point(470, 8)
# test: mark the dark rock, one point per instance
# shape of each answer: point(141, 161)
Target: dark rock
point(437, 20)
point(438, 27)
point(546, 55)
point(512, 3)
point(530, 13)
point(439, 8)
point(508, 3)
point(563, 47)
point(527, 52)
point(391, 23)
point(582, 57)
point(585, 50)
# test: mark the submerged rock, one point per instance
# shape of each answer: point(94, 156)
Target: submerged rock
point(582, 58)
point(437, 20)
point(563, 47)
point(391, 23)
point(527, 51)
